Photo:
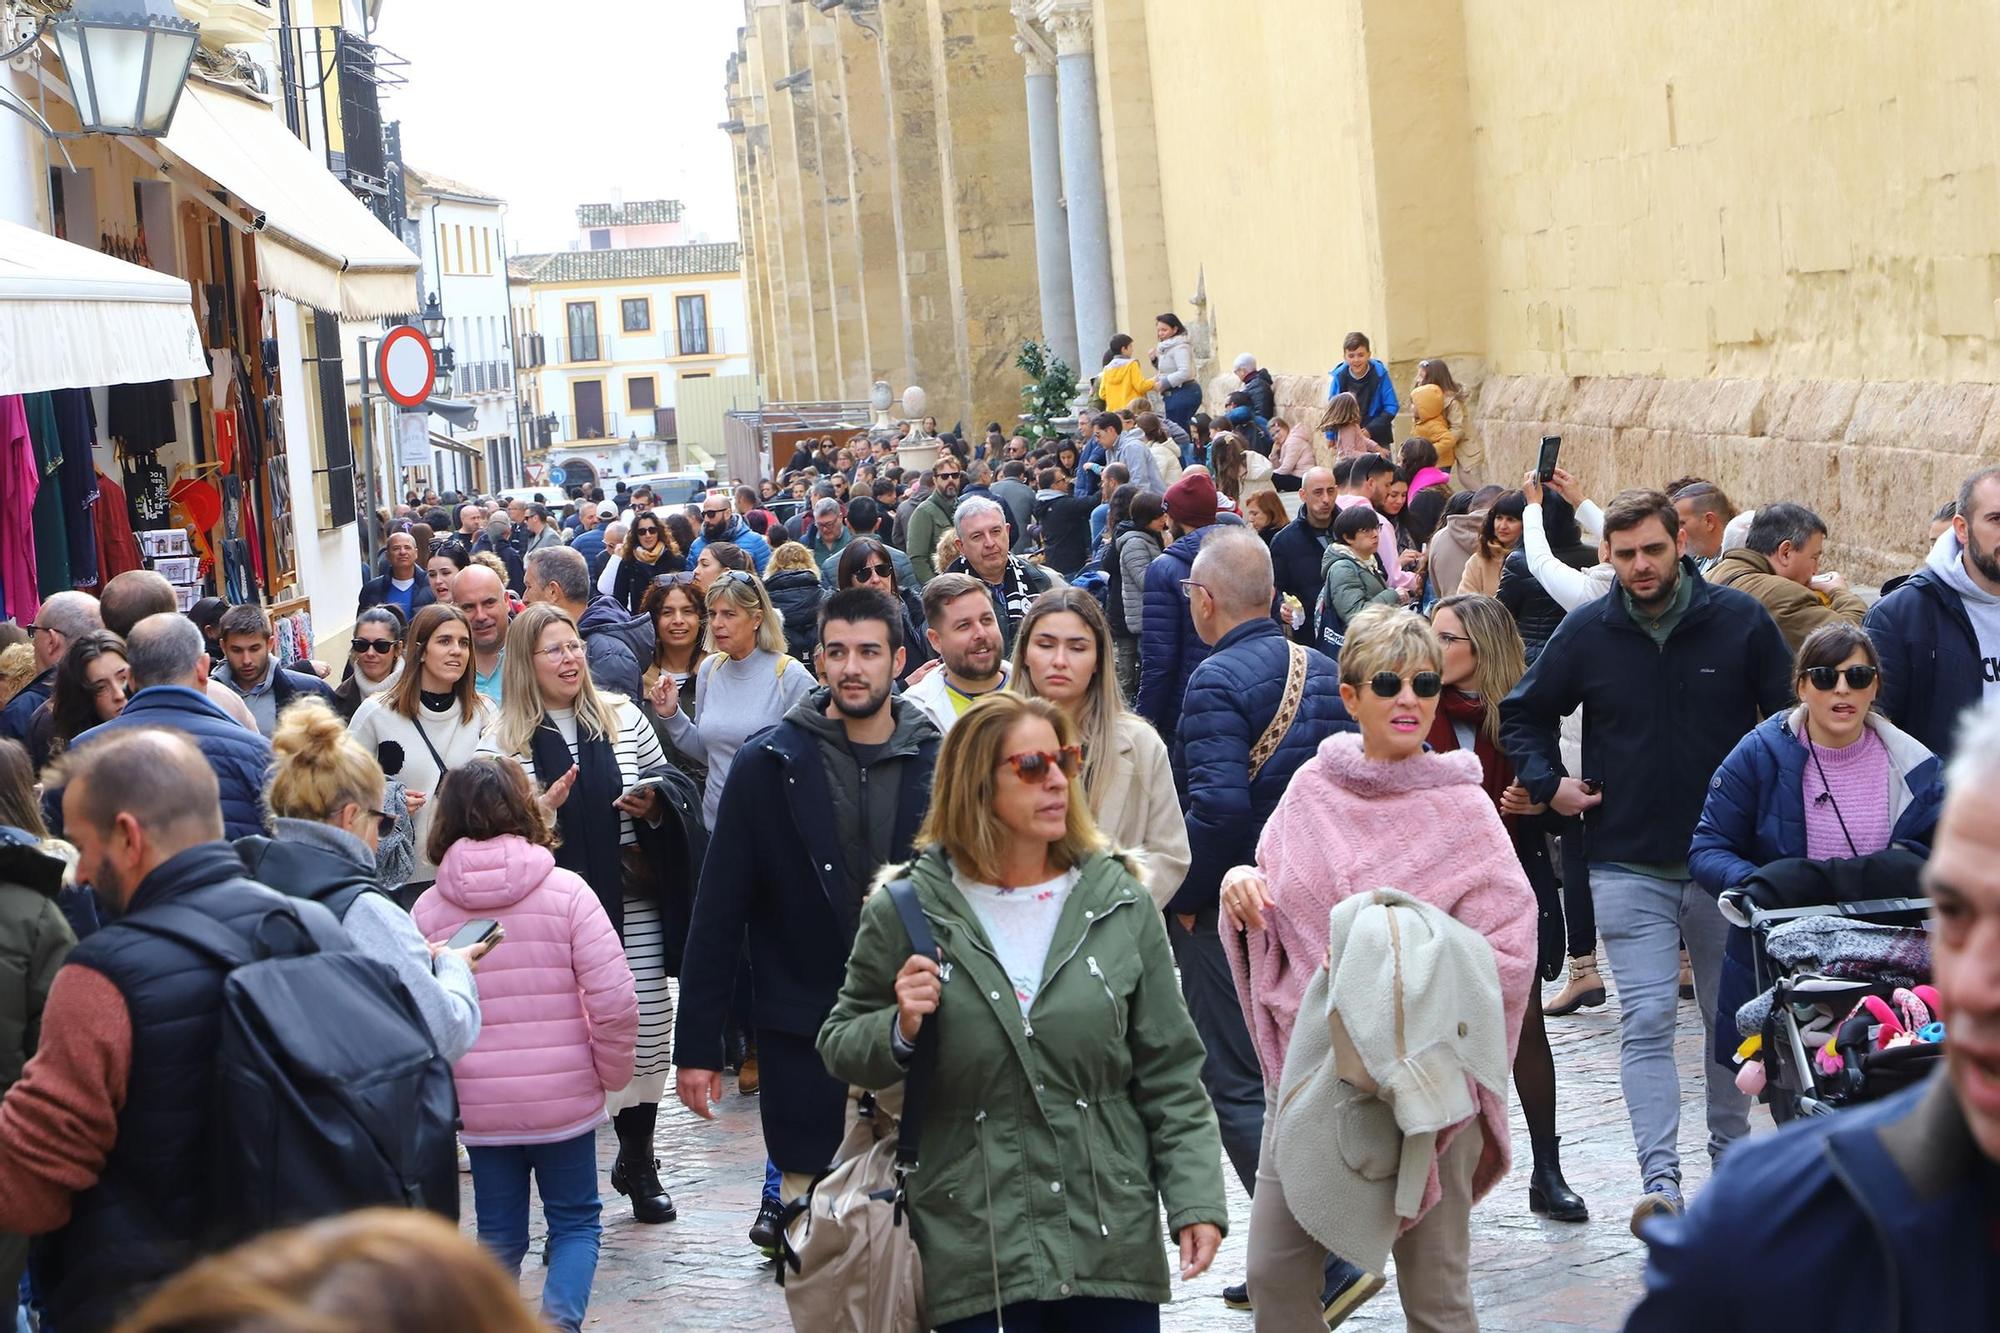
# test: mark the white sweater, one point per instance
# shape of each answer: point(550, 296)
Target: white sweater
point(455, 739)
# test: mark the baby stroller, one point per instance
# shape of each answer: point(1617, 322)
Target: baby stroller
point(1844, 1011)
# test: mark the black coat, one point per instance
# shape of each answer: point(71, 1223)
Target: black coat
point(1931, 672)
point(1296, 554)
point(375, 592)
point(1536, 613)
point(797, 595)
point(1657, 720)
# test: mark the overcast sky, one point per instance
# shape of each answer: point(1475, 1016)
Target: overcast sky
point(551, 106)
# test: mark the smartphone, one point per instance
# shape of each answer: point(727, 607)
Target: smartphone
point(1545, 465)
point(476, 931)
point(1592, 785)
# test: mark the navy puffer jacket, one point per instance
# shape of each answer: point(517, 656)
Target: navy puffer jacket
point(1931, 672)
point(1231, 698)
point(1169, 649)
point(240, 757)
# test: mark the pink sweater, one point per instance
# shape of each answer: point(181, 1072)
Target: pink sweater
point(1855, 779)
point(1348, 824)
point(558, 1016)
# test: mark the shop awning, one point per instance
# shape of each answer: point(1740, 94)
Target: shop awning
point(462, 415)
point(450, 445)
point(318, 244)
point(71, 318)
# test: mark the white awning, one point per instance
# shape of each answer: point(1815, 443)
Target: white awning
point(71, 318)
point(318, 245)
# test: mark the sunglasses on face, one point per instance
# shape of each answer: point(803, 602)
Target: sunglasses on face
point(1825, 677)
point(1034, 766)
point(714, 513)
point(868, 573)
point(372, 645)
point(646, 532)
point(1388, 684)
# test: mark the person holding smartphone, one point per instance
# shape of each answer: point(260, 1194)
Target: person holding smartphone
point(561, 1021)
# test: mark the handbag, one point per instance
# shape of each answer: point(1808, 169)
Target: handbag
point(1288, 710)
point(849, 1261)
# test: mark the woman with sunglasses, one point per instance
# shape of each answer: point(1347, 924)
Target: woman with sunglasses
point(325, 795)
point(1483, 661)
point(1063, 653)
point(679, 615)
point(429, 721)
point(375, 659)
point(1832, 778)
point(745, 684)
point(589, 752)
point(1032, 1208)
point(868, 562)
point(91, 686)
point(649, 551)
point(1345, 826)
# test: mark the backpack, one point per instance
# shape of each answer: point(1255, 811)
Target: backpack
point(328, 1092)
point(849, 1262)
point(1332, 629)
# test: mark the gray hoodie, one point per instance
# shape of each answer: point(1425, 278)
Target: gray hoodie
point(1982, 608)
point(863, 793)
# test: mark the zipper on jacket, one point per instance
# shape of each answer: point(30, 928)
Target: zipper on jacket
point(1117, 1010)
point(992, 1241)
point(1090, 1157)
point(1049, 979)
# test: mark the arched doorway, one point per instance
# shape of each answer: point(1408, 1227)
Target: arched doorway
point(578, 472)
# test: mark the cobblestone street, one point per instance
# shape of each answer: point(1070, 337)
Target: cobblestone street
point(1528, 1274)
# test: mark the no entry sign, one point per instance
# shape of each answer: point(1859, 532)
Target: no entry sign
point(406, 365)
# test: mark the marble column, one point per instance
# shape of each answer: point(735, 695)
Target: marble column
point(1045, 175)
point(1069, 22)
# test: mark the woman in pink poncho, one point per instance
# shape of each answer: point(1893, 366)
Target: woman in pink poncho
point(1364, 812)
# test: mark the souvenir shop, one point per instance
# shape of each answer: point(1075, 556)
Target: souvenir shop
point(218, 446)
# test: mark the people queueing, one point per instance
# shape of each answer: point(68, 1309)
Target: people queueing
point(808, 814)
point(590, 751)
point(1057, 1025)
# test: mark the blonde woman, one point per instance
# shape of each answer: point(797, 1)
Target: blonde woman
point(429, 721)
point(588, 750)
point(325, 797)
point(745, 684)
point(1047, 944)
point(1063, 653)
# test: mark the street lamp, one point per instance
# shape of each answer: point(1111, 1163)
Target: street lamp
point(127, 62)
point(433, 317)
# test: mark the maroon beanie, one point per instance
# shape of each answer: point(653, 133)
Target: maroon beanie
point(1191, 501)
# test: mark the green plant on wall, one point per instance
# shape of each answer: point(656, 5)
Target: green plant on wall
point(1047, 394)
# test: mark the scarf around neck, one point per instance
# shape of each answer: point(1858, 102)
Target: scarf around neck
point(1454, 705)
point(587, 820)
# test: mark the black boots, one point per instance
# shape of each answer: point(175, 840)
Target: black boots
point(636, 1173)
point(1548, 1193)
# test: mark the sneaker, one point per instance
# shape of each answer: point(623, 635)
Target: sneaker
point(1661, 1199)
point(464, 1159)
point(764, 1232)
point(1348, 1289)
point(1237, 1297)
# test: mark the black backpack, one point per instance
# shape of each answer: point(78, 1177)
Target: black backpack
point(328, 1093)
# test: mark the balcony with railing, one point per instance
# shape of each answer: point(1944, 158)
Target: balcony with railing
point(495, 376)
point(603, 426)
point(530, 351)
point(624, 348)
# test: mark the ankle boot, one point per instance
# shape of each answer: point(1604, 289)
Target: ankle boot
point(1549, 1195)
point(1585, 989)
point(636, 1173)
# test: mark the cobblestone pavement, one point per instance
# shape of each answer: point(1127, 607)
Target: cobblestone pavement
point(1527, 1274)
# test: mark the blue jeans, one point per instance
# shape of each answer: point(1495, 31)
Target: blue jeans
point(1182, 403)
point(1643, 921)
point(1078, 1314)
point(566, 1176)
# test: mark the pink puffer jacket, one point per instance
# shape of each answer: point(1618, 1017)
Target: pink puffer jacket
point(557, 1011)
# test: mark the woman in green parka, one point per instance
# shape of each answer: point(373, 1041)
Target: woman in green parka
point(1067, 1102)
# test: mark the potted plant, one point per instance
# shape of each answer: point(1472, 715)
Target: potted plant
point(1045, 398)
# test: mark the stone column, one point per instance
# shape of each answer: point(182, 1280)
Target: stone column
point(1045, 175)
point(1069, 21)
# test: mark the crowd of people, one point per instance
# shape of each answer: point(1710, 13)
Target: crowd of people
point(1254, 778)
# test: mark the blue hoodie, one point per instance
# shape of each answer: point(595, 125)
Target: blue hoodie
point(1376, 394)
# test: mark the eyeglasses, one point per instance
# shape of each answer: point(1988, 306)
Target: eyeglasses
point(1189, 585)
point(732, 576)
point(714, 513)
point(562, 651)
point(1826, 677)
point(946, 476)
point(1033, 766)
point(646, 532)
point(1449, 639)
point(1389, 684)
point(372, 645)
point(868, 573)
point(385, 825)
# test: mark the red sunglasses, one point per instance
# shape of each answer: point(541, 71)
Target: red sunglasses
point(1034, 766)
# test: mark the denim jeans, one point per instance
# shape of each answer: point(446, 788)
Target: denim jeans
point(566, 1175)
point(1643, 921)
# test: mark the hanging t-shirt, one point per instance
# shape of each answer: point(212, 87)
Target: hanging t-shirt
point(146, 494)
point(76, 422)
point(141, 415)
point(51, 538)
point(18, 483)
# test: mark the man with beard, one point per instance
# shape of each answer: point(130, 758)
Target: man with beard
point(477, 591)
point(849, 767)
point(719, 523)
point(965, 633)
point(1671, 671)
point(931, 518)
point(1939, 632)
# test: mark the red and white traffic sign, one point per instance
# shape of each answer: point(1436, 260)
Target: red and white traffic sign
point(406, 365)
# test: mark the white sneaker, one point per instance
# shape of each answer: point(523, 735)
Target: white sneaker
point(464, 1158)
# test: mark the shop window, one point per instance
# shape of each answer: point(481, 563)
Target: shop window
point(332, 447)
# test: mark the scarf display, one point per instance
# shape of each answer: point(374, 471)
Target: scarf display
point(587, 821)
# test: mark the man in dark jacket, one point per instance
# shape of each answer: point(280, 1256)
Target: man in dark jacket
point(1169, 648)
point(498, 540)
point(813, 808)
point(1261, 395)
point(981, 523)
point(1879, 1217)
point(104, 1142)
point(34, 940)
point(1300, 547)
point(64, 617)
point(250, 667)
point(168, 663)
point(1671, 672)
point(617, 646)
point(404, 587)
point(1938, 633)
point(930, 518)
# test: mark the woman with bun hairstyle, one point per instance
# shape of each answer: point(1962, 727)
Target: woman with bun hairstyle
point(429, 721)
point(325, 797)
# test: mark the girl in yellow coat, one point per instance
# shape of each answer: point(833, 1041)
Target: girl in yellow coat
point(1123, 379)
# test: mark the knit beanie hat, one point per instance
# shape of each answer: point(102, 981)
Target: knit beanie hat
point(1191, 501)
